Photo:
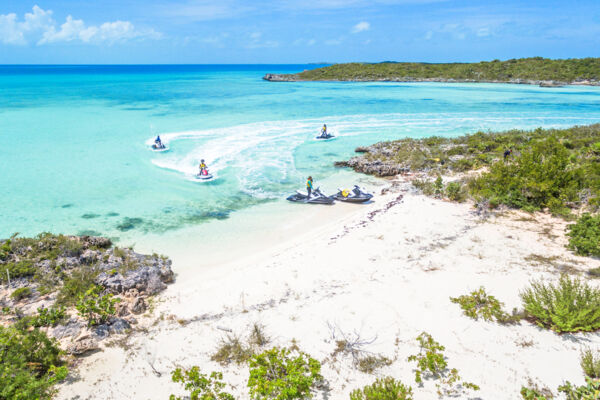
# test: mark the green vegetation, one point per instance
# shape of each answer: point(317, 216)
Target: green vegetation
point(20, 293)
point(570, 306)
point(200, 386)
point(431, 362)
point(283, 374)
point(584, 235)
point(96, 308)
point(30, 363)
point(383, 389)
point(589, 391)
point(532, 394)
point(558, 169)
point(479, 304)
point(232, 349)
point(534, 68)
point(590, 363)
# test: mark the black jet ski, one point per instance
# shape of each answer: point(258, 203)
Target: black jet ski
point(160, 148)
point(316, 197)
point(356, 195)
point(327, 136)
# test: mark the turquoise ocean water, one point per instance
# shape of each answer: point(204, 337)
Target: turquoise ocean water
point(75, 139)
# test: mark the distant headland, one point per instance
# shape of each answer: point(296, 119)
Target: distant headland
point(535, 71)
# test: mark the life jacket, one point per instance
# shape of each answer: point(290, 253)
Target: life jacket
point(345, 193)
point(203, 166)
point(309, 184)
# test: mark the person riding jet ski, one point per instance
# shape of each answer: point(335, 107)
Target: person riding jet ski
point(324, 131)
point(203, 168)
point(158, 142)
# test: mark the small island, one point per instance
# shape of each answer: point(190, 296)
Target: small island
point(535, 71)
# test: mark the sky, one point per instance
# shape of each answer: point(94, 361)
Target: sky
point(294, 31)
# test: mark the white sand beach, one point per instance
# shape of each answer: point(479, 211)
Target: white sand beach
point(383, 271)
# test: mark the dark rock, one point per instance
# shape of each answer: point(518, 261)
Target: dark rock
point(72, 328)
point(89, 256)
point(149, 278)
point(280, 78)
point(119, 325)
point(96, 241)
point(102, 331)
point(122, 309)
point(138, 306)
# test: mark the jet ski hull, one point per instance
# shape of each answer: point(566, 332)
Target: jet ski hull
point(316, 198)
point(157, 149)
point(203, 178)
point(357, 199)
point(325, 138)
point(355, 196)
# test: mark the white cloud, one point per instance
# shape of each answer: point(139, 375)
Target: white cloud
point(40, 27)
point(257, 43)
point(483, 32)
point(14, 32)
point(361, 27)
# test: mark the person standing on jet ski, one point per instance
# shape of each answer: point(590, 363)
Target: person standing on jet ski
point(158, 142)
point(324, 131)
point(309, 186)
point(202, 167)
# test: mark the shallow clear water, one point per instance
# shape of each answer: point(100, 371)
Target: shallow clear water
point(75, 152)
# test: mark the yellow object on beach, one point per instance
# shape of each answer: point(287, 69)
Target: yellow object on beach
point(345, 193)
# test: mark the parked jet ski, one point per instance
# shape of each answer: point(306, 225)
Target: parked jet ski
point(316, 197)
point(356, 195)
point(159, 148)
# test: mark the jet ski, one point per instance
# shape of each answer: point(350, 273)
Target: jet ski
point(327, 136)
point(356, 195)
point(316, 197)
point(205, 176)
point(160, 148)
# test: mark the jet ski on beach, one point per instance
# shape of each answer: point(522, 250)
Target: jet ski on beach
point(316, 197)
point(356, 195)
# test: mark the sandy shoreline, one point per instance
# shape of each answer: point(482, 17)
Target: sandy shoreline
point(384, 271)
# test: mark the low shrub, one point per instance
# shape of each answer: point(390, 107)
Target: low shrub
point(76, 284)
point(456, 192)
point(431, 362)
point(383, 389)
point(532, 394)
point(96, 308)
point(20, 293)
point(370, 363)
point(200, 386)
point(49, 316)
point(584, 235)
point(20, 269)
point(590, 363)
point(30, 364)
point(283, 374)
point(258, 337)
point(479, 304)
point(589, 391)
point(594, 272)
point(232, 349)
point(570, 306)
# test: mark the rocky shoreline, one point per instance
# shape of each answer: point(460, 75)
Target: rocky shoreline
point(59, 266)
point(408, 79)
